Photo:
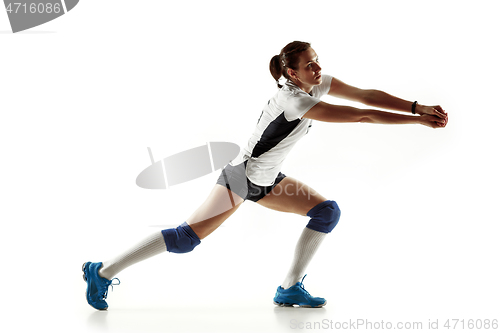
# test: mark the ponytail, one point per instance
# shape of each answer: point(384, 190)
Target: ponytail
point(275, 68)
point(288, 58)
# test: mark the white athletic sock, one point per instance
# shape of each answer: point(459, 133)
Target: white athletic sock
point(150, 246)
point(307, 245)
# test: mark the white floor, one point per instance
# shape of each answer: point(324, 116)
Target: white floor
point(230, 318)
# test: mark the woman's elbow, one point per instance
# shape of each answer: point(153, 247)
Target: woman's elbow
point(365, 119)
point(366, 116)
point(369, 96)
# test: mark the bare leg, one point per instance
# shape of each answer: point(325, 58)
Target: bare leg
point(220, 204)
point(293, 196)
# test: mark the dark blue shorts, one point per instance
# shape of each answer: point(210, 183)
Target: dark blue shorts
point(234, 178)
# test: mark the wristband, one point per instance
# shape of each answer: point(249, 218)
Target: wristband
point(413, 106)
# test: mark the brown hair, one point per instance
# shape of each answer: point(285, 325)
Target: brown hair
point(288, 58)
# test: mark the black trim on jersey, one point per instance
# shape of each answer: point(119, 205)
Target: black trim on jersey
point(275, 132)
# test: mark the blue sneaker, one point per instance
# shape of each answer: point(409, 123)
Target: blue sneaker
point(296, 294)
point(97, 287)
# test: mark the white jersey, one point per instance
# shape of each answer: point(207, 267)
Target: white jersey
point(279, 127)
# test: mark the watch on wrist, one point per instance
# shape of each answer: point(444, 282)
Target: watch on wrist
point(413, 107)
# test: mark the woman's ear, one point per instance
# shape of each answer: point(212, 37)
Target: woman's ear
point(291, 73)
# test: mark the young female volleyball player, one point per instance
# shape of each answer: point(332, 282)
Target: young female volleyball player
point(256, 173)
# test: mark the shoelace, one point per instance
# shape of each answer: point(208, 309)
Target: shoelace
point(301, 285)
point(104, 291)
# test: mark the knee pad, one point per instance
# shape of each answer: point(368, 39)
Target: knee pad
point(324, 216)
point(181, 239)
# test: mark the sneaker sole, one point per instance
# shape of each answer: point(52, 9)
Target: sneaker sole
point(83, 270)
point(85, 279)
point(302, 306)
point(286, 305)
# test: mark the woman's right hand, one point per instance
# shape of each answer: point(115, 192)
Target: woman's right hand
point(433, 121)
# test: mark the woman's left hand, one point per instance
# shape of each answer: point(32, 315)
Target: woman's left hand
point(436, 110)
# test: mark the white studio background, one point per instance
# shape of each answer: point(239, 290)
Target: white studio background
point(83, 96)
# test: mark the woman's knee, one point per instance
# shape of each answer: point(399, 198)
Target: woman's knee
point(324, 216)
point(181, 239)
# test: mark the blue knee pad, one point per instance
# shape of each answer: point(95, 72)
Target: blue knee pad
point(181, 239)
point(324, 216)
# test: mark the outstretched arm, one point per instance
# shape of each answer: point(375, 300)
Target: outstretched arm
point(380, 99)
point(347, 114)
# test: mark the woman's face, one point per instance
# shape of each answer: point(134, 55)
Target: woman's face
point(308, 73)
